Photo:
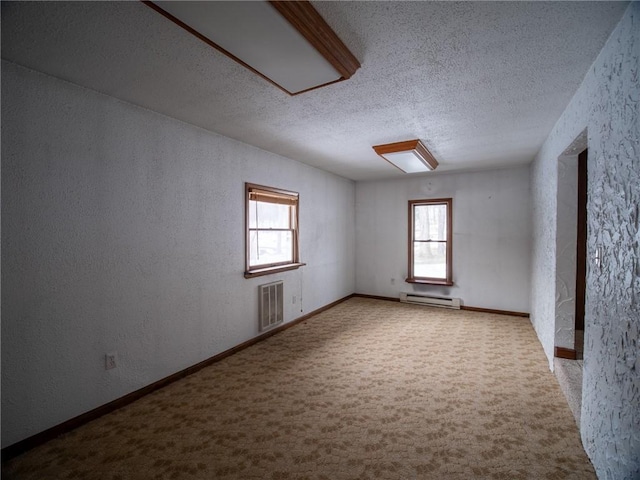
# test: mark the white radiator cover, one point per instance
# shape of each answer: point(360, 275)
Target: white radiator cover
point(429, 300)
point(271, 304)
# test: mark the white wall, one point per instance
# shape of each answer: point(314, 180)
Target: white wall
point(608, 105)
point(122, 230)
point(491, 236)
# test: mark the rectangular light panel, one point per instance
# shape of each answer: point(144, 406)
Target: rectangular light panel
point(410, 156)
point(255, 33)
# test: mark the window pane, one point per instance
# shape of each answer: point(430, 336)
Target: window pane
point(430, 222)
point(430, 260)
point(267, 247)
point(273, 215)
point(252, 214)
point(269, 215)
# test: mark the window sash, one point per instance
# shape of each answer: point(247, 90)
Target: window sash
point(431, 227)
point(277, 250)
point(264, 218)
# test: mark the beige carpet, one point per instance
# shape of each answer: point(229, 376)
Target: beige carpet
point(367, 390)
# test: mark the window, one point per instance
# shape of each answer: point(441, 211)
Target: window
point(271, 230)
point(430, 241)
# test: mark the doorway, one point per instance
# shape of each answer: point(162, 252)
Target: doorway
point(581, 254)
point(571, 250)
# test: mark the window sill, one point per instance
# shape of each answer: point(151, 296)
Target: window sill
point(429, 281)
point(258, 272)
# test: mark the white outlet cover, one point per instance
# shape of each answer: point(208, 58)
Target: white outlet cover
point(110, 360)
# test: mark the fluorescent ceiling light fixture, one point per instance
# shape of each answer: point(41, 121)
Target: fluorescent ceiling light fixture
point(287, 43)
point(410, 156)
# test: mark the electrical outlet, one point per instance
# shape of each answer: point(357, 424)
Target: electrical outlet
point(294, 299)
point(110, 361)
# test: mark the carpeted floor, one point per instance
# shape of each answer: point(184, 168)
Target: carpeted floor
point(367, 390)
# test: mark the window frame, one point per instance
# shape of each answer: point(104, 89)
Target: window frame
point(284, 197)
point(411, 278)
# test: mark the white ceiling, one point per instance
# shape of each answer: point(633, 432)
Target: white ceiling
point(480, 83)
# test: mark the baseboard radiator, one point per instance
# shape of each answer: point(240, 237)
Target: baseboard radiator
point(430, 301)
point(271, 305)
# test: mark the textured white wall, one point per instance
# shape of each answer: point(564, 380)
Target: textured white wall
point(608, 105)
point(122, 230)
point(491, 236)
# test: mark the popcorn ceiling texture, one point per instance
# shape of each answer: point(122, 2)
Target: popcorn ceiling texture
point(482, 83)
point(607, 103)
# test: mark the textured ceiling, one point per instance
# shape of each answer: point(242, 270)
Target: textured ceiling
point(481, 83)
